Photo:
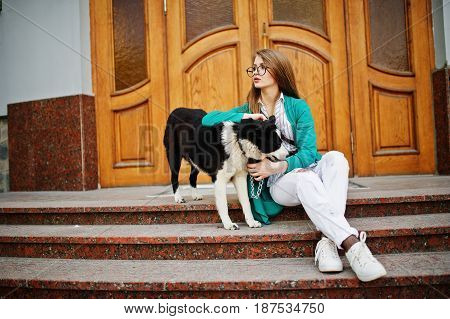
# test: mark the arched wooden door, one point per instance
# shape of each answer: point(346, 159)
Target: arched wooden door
point(129, 82)
point(312, 34)
point(209, 48)
point(391, 61)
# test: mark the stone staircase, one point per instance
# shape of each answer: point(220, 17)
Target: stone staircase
point(126, 243)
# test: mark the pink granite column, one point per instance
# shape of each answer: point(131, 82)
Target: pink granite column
point(53, 144)
point(441, 99)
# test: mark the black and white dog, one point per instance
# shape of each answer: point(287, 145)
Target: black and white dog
point(222, 151)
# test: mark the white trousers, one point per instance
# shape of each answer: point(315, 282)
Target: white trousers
point(322, 190)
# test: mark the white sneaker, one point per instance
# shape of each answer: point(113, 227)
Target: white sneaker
point(365, 266)
point(326, 256)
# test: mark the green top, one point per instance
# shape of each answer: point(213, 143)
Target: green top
point(301, 120)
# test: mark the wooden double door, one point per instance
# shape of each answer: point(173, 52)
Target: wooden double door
point(362, 66)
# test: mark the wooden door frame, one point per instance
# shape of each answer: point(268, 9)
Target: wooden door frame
point(255, 30)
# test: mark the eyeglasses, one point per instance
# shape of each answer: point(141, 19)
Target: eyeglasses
point(260, 70)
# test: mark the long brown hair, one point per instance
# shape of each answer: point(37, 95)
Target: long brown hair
point(281, 70)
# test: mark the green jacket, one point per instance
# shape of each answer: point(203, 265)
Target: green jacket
point(300, 117)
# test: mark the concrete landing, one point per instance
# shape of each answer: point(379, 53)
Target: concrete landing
point(359, 188)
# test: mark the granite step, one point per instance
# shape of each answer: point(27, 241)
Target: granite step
point(282, 239)
point(409, 275)
point(47, 211)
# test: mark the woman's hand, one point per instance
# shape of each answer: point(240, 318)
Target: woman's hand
point(266, 168)
point(256, 117)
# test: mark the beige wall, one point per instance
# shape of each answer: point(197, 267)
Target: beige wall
point(42, 48)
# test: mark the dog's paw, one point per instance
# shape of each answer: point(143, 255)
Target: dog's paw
point(196, 194)
point(253, 224)
point(179, 199)
point(231, 226)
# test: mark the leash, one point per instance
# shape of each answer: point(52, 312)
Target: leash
point(252, 188)
point(252, 184)
point(284, 138)
point(252, 161)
